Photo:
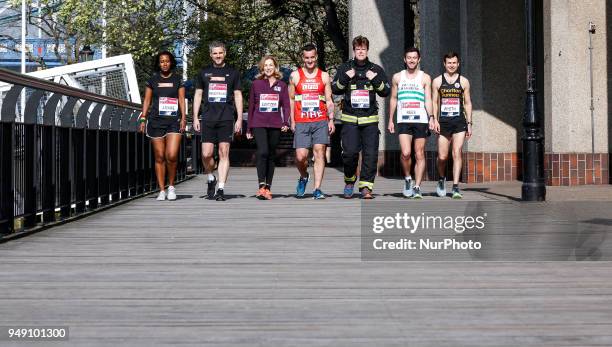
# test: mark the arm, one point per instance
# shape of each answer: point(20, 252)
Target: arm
point(380, 82)
point(181, 102)
point(341, 80)
point(393, 103)
point(435, 92)
point(239, 107)
point(197, 101)
point(467, 104)
point(286, 106)
point(291, 92)
point(329, 102)
point(428, 104)
point(145, 109)
point(251, 108)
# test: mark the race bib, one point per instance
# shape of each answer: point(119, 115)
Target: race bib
point(409, 111)
point(168, 107)
point(310, 103)
point(360, 98)
point(268, 103)
point(450, 107)
point(217, 92)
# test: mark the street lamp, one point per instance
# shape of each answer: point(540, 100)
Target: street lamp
point(86, 54)
point(534, 187)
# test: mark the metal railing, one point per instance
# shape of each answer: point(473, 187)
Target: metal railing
point(65, 152)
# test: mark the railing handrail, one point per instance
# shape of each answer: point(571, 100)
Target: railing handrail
point(37, 83)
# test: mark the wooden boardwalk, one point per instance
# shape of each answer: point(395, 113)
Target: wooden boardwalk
point(285, 272)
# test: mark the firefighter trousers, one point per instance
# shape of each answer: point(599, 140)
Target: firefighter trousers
point(364, 139)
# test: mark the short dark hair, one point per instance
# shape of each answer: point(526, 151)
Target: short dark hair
point(309, 47)
point(361, 41)
point(451, 55)
point(158, 56)
point(412, 49)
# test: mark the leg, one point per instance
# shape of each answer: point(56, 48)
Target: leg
point(351, 146)
point(173, 142)
point(443, 146)
point(223, 168)
point(159, 147)
point(419, 153)
point(273, 140)
point(405, 141)
point(301, 161)
point(319, 164)
point(262, 154)
point(369, 161)
point(208, 160)
point(458, 139)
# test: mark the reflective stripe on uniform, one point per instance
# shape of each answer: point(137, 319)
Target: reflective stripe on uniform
point(359, 120)
point(382, 86)
point(339, 85)
point(350, 179)
point(366, 184)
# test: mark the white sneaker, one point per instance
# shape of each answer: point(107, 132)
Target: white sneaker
point(161, 196)
point(171, 193)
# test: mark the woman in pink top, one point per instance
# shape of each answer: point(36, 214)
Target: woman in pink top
point(269, 112)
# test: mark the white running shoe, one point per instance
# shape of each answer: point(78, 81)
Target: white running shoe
point(171, 193)
point(161, 196)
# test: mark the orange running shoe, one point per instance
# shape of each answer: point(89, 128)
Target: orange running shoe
point(268, 194)
point(261, 194)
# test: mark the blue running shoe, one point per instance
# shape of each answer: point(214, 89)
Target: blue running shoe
point(318, 194)
point(348, 190)
point(300, 190)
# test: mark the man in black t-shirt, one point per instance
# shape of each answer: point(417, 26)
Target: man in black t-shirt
point(219, 95)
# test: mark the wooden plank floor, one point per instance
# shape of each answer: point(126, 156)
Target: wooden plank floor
point(285, 272)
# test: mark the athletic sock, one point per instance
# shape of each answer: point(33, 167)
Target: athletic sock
point(211, 177)
point(408, 178)
point(262, 185)
point(221, 185)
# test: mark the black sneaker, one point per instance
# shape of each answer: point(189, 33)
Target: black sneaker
point(220, 196)
point(210, 191)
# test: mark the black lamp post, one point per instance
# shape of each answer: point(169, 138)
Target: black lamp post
point(534, 187)
point(86, 54)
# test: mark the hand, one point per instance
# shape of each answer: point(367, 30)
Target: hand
point(284, 128)
point(391, 128)
point(183, 125)
point(331, 126)
point(196, 125)
point(293, 126)
point(238, 127)
point(249, 135)
point(141, 127)
point(371, 74)
point(468, 133)
point(351, 73)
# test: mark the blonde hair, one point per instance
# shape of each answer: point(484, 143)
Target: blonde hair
point(261, 75)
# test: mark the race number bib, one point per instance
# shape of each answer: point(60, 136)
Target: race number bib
point(268, 103)
point(217, 92)
point(360, 98)
point(168, 107)
point(310, 103)
point(450, 107)
point(409, 111)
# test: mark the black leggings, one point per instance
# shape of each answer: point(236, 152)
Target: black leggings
point(267, 140)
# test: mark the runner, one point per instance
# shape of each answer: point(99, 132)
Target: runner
point(452, 108)
point(411, 91)
point(164, 103)
point(360, 80)
point(220, 85)
point(312, 118)
point(269, 95)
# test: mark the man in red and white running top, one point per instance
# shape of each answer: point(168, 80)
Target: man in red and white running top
point(312, 118)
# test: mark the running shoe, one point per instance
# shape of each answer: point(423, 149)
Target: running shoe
point(348, 190)
point(366, 193)
point(267, 194)
point(171, 193)
point(161, 196)
point(220, 196)
point(456, 193)
point(440, 188)
point(408, 188)
point(417, 193)
point(317, 194)
point(261, 194)
point(300, 190)
point(210, 191)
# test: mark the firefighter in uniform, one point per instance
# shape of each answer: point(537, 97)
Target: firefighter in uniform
point(360, 80)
